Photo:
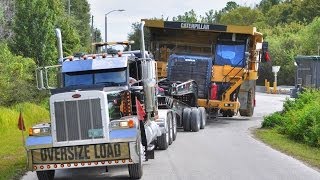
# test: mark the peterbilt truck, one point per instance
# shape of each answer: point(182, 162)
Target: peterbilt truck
point(222, 59)
point(98, 118)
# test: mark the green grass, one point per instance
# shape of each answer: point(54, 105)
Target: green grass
point(303, 152)
point(12, 153)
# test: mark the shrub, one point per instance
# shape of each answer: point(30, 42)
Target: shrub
point(300, 118)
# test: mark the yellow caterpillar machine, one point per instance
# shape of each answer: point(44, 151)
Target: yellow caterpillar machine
point(222, 59)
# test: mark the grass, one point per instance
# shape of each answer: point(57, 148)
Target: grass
point(12, 153)
point(301, 151)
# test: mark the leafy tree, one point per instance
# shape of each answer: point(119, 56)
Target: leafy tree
point(265, 5)
point(80, 11)
point(34, 27)
point(16, 78)
point(309, 10)
point(6, 16)
point(70, 36)
point(135, 36)
point(241, 16)
point(189, 16)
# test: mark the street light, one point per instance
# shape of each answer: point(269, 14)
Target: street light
point(106, 22)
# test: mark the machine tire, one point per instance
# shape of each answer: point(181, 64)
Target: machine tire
point(174, 129)
point(203, 117)
point(163, 140)
point(135, 170)
point(170, 121)
point(195, 119)
point(186, 119)
point(46, 175)
point(250, 105)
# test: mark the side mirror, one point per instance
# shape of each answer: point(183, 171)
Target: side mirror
point(39, 78)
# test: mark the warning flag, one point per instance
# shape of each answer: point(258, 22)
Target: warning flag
point(21, 123)
point(140, 111)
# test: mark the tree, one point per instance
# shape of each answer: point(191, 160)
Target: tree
point(34, 29)
point(189, 16)
point(241, 16)
point(6, 19)
point(266, 5)
point(80, 11)
point(16, 78)
point(135, 36)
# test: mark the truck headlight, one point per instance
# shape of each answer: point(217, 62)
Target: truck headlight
point(40, 130)
point(123, 123)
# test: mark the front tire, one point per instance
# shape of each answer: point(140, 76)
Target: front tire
point(135, 170)
point(164, 139)
point(46, 175)
point(250, 105)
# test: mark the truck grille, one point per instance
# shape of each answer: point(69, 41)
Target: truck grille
point(74, 119)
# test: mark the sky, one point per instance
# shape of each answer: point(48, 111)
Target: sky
point(119, 23)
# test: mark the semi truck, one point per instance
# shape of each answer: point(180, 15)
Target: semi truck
point(223, 60)
point(98, 118)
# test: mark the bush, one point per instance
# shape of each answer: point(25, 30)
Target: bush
point(17, 81)
point(300, 118)
point(272, 120)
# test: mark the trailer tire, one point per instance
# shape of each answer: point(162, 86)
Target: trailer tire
point(170, 121)
point(174, 129)
point(203, 117)
point(135, 170)
point(250, 105)
point(195, 119)
point(186, 119)
point(46, 175)
point(163, 140)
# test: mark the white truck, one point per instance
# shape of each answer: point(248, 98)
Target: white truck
point(97, 118)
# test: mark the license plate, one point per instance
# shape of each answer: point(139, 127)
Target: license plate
point(83, 153)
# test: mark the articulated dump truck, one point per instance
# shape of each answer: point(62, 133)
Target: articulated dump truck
point(222, 59)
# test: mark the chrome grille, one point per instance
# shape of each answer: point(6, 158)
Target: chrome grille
point(74, 119)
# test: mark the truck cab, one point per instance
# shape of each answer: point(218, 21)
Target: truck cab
point(96, 117)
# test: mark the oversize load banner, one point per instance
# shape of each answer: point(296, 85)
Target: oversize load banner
point(83, 153)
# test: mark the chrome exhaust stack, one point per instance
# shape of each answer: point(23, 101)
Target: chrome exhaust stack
point(59, 42)
point(148, 76)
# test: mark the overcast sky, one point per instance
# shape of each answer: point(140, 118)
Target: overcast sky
point(119, 23)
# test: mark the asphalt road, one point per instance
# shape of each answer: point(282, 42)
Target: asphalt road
point(225, 150)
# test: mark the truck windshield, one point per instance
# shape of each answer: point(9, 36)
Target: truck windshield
point(230, 55)
point(114, 77)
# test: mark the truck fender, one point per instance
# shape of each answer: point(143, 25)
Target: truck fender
point(162, 121)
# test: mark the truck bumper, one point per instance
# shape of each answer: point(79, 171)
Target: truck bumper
point(98, 154)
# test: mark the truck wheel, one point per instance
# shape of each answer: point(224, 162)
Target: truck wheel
point(203, 117)
point(170, 121)
point(163, 140)
point(46, 175)
point(135, 170)
point(174, 129)
point(186, 119)
point(250, 105)
point(195, 119)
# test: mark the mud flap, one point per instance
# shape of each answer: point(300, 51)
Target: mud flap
point(144, 139)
